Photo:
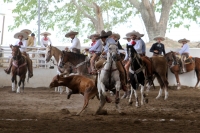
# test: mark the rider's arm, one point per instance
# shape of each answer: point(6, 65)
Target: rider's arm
point(96, 46)
point(183, 49)
point(138, 46)
point(152, 48)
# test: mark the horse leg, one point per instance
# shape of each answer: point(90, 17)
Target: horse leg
point(56, 89)
point(142, 94)
point(19, 84)
point(177, 80)
point(136, 98)
point(13, 83)
point(130, 97)
point(198, 77)
point(117, 98)
point(102, 102)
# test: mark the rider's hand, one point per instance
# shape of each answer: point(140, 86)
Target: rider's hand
point(156, 51)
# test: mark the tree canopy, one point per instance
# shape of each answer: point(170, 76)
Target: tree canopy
point(95, 15)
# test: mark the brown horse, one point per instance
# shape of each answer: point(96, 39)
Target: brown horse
point(19, 67)
point(78, 61)
point(175, 67)
point(157, 66)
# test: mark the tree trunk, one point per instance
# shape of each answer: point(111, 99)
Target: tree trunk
point(99, 26)
point(153, 27)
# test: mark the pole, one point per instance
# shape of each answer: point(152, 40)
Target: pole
point(2, 29)
point(38, 22)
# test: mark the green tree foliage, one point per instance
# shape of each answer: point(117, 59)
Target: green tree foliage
point(71, 14)
point(82, 15)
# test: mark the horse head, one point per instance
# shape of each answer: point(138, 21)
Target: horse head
point(112, 50)
point(48, 53)
point(132, 52)
point(62, 59)
point(15, 52)
point(171, 57)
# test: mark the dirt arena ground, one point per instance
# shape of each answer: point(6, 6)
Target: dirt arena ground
point(43, 110)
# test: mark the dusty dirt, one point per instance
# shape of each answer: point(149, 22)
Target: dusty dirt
point(43, 110)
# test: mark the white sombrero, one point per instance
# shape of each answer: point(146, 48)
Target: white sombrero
point(133, 33)
point(71, 33)
point(140, 35)
point(26, 31)
point(127, 37)
point(93, 35)
point(159, 37)
point(116, 35)
point(45, 33)
point(183, 40)
point(20, 34)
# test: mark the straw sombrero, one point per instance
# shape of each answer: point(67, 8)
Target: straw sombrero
point(20, 34)
point(71, 33)
point(116, 35)
point(133, 33)
point(46, 33)
point(105, 34)
point(159, 37)
point(26, 31)
point(183, 40)
point(93, 35)
point(127, 37)
point(140, 35)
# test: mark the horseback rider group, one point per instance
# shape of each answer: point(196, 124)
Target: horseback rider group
point(99, 48)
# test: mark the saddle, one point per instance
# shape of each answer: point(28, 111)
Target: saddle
point(188, 60)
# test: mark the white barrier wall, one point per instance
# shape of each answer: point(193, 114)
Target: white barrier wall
point(42, 77)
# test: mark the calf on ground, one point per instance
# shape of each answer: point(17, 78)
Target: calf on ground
point(78, 85)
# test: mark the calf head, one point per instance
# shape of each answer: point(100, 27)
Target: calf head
point(56, 81)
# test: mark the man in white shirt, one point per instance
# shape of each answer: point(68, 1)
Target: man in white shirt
point(184, 52)
point(45, 40)
point(21, 42)
point(76, 45)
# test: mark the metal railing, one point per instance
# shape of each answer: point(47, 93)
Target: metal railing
point(35, 54)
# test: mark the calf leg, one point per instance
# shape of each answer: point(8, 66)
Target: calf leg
point(86, 100)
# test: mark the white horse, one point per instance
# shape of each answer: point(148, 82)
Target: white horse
point(108, 78)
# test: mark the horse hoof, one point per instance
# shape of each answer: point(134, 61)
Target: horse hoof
point(117, 100)
point(102, 112)
point(122, 113)
point(130, 103)
point(146, 100)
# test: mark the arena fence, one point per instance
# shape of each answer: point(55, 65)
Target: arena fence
point(43, 75)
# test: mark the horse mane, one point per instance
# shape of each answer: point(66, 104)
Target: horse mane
point(76, 56)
